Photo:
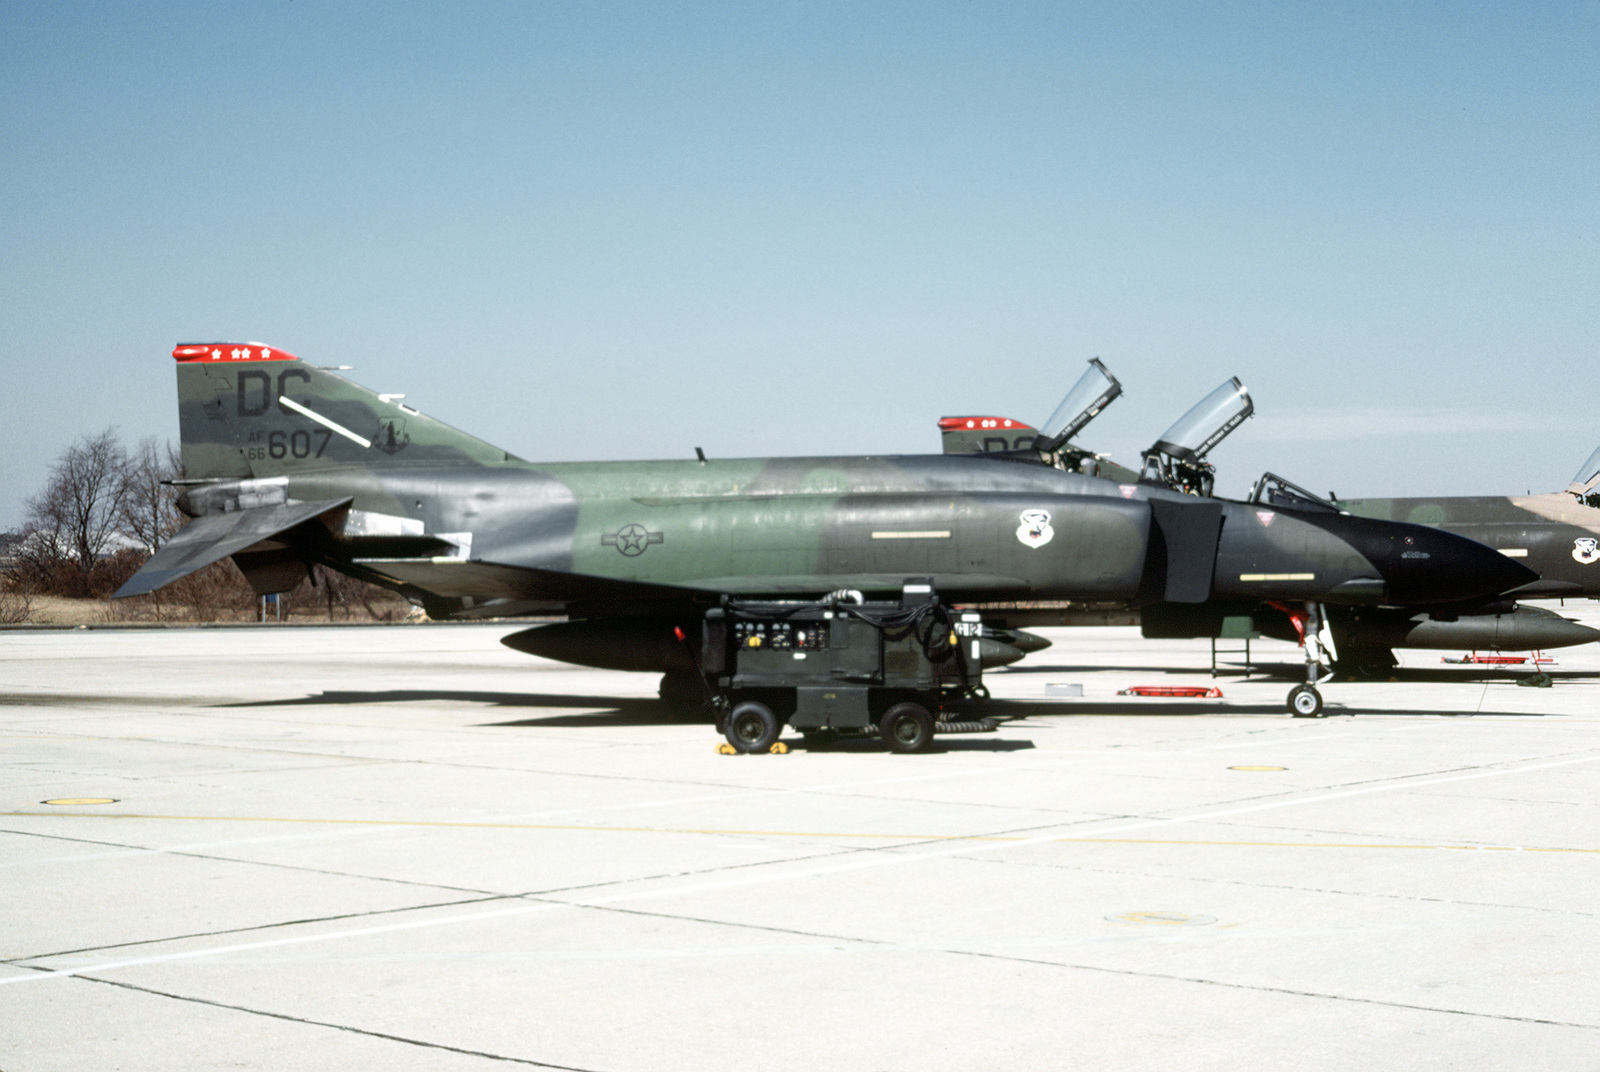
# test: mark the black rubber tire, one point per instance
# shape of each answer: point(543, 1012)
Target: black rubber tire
point(1305, 702)
point(906, 727)
point(752, 727)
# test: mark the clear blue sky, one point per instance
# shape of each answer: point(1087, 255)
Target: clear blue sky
point(623, 230)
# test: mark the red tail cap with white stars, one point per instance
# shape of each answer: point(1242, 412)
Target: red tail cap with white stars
point(229, 351)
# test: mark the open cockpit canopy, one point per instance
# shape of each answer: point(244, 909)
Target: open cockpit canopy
point(1207, 424)
point(1177, 459)
point(1588, 476)
point(1094, 391)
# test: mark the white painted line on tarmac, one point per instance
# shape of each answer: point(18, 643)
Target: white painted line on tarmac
point(875, 861)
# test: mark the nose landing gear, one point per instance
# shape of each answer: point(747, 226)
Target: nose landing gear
point(1304, 700)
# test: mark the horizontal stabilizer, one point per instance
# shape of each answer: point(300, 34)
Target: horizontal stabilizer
point(216, 536)
point(455, 578)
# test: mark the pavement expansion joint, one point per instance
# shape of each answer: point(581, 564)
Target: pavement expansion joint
point(23, 962)
point(507, 1058)
point(159, 851)
point(1321, 995)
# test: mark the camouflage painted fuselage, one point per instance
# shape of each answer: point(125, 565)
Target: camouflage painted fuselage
point(365, 484)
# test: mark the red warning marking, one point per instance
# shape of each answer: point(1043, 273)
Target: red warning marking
point(1197, 692)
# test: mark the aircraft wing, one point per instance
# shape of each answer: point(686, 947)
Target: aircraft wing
point(481, 581)
point(214, 537)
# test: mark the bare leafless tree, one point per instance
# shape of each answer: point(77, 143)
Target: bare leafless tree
point(15, 602)
point(149, 507)
point(76, 518)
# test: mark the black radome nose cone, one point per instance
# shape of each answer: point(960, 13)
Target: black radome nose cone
point(1423, 565)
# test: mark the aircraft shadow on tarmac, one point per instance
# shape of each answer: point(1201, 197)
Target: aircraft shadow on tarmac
point(645, 711)
point(1296, 672)
point(618, 712)
point(640, 711)
point(963, 743)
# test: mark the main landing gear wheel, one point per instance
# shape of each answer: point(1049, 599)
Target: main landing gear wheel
point(907, 727)
point(752, 727)
point(1305, 702)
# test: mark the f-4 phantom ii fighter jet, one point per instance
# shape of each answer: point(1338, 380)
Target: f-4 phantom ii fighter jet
point(288, 464)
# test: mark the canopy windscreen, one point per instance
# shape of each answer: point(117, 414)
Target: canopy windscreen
point(1093, 391)
point(1204, 426)
point(1589, 471)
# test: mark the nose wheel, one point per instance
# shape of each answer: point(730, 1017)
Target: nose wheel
point(1305, 702)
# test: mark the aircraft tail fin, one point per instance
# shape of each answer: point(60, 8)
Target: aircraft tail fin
point(983, 435)
point(246, 410)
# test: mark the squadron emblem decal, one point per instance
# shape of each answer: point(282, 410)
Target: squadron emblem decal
point(1583, 549)
point(1035, 530)
point(632, 540)
point(393, 438)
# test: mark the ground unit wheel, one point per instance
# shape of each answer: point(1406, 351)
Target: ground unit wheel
point(752, 727)
point(906, 727)
point(1305, 702)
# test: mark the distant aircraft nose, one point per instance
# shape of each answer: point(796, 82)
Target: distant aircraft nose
point(1425, 565)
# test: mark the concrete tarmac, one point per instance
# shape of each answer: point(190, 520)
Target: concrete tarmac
point(409, 847)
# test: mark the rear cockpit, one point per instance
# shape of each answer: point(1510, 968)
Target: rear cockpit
point(1177, 458)
point(1051, 442)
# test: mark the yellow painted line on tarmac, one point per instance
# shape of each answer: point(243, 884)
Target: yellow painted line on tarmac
point(817, 834)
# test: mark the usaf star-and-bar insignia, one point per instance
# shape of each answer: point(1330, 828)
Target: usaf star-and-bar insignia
point(632, 540)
